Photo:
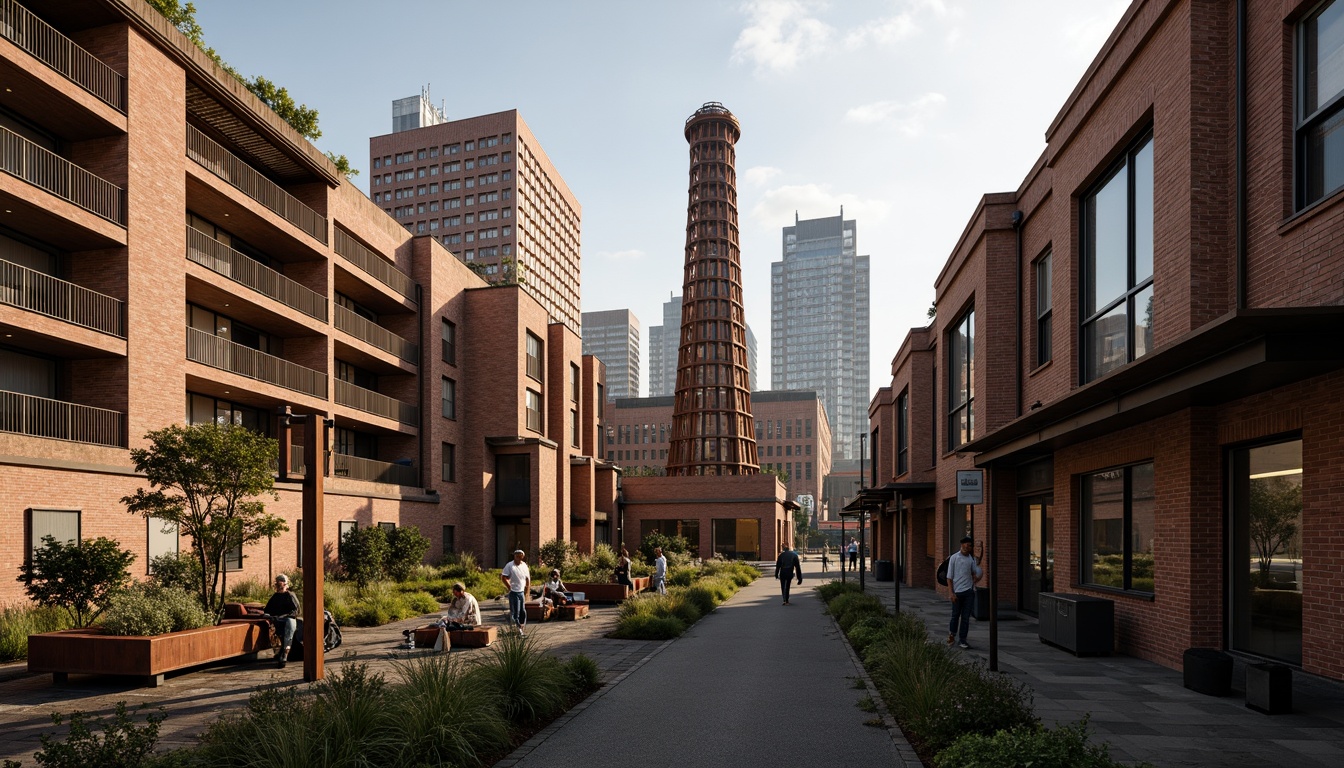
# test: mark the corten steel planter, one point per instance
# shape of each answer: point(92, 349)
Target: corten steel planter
point(91, 652)
point(1207, 671)
point(608, 593)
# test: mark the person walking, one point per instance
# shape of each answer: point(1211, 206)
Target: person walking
point(518, 579)
point(825, 560)
point(785, 567)
point(659, 571)
point(622, 573)
point(963, 573)
point(853, 553)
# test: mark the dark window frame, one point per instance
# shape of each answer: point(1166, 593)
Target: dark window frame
point(535, 420)
point(448, 338)
point(448, 463)
point(1305, 190)
point(534, 356)
point(1087, 526)
point(448, 398)
point(903, 433)
point(1043, 283)
point(961, 399)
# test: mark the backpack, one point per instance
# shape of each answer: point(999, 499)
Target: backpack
point(942, 571)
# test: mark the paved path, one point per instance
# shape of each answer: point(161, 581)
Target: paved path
point(755, 683)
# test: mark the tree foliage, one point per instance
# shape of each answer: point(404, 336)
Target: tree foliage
point(363, 553)
point(671, 545)
point(1275, 507)
point(123, 743)
point(406, 548)
point(207, 478)
point(76, 577)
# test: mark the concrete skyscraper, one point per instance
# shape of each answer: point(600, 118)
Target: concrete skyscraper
point(819, 324)
point(663, 343)
point(712, 430)
point(612, 336)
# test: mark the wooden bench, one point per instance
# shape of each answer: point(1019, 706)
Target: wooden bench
point(480, 637)
point(427, 637)
point(538, 612)
point(572, 611)
point(609, 593)
point(89, 651)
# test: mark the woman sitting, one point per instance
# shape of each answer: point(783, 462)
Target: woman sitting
point(554, 592)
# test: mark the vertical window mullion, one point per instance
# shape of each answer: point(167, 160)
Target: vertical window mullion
point(1127, 528)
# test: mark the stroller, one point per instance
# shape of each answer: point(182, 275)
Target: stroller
point(331, 635)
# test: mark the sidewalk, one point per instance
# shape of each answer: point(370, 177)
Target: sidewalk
point(1142, 709)
point(755, 683)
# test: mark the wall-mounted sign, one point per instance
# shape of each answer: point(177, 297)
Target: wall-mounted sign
point(970, 486)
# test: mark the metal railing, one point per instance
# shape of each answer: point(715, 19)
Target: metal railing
point(367, 330)
point(378, 404)
point(47, 295)
point(246, 179)
point(356, 468)
point(47, 170)
point(217, 352)
point(44, 417)
point(218, 257)
point(37, 37)
point(374, 265)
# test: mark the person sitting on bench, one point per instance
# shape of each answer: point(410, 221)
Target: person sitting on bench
point(463, 611)
point(555, 591)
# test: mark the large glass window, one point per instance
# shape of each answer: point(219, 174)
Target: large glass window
point(1266, 562)
point(1043, 310)
point(737, 539)
point(902, 434)
point(1117, 269)
point(687, 529)
point(961, 382)
point(1119, 521)
point(63, 525)
point(513, 480)
point(1320, 110)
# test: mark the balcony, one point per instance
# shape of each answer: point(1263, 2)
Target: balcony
point(21, 27)
point(372, 471)
point(246, 179)
point(38, 292)
point(375, 266)
point(43, 417)
point(216, 352)
point(46, 170)
point(380, 405)
point(220, 258)
point(369, 331)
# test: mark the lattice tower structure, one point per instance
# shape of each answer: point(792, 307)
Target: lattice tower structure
point(712, 428)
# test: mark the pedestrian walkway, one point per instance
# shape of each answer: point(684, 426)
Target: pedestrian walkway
point(755, 683)
point(1142, 709)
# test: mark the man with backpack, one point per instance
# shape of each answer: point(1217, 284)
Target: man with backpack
point(963, 573)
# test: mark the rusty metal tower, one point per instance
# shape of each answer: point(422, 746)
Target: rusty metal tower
point(712, 429)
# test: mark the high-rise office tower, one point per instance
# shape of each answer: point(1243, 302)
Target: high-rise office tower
point(712, 430)
point(613, 337)
point(483, 187)
point(819, 324)
point(663, 343)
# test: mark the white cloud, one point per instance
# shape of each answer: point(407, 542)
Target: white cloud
point(883, 31)
point(759, 176)
point(632, 254)
point(907, 118)
point(1086, 34)
point(814, 201)
point(779, 35)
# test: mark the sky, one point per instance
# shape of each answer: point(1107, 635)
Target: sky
point(904, 112)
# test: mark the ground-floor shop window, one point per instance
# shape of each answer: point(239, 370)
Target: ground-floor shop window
point(737, 539)
point(1118, 525)
point(1266, 563)
point(687, 529)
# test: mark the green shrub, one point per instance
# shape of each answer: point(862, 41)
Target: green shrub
point(1028, 747)
point(249, 591)
point(18, 622)
point(672, 546)
point(865, 632)
point(604, 557)
point(78, 577)
point(123, 743)
point(177, 569)
point(444, 715)
point(681, 577)
point(583, 674)
point(702, 597)
point(421, 603)
point(850, 608)
point(146, 609)
point(557, 553)
point(650, 628)
point(833, 589)
point(530, 684)
point(406, 548)
point(363, 554)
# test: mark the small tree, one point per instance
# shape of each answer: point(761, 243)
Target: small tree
point(206, 478)
point(406, 548)
point(671, 545)
point(76, 577)
point(364, 555)
point(1276, 507)
point(556, 552)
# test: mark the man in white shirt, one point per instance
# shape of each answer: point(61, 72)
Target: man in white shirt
point(963, 573)
point(518, 579)
point(659, 571)
point(463, 612)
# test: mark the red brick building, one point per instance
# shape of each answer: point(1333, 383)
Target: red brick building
point(171, 251)
point(1139, 346)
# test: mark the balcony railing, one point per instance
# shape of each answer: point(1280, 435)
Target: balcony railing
point(356, 468)
point(218, 257)
point(44, 417)
point(62, 178)
point(217, 352)
point(372, 402)
point(47, 295)
point(250, 182)
point(37, 37)
point(375, 266)
point(367, 330)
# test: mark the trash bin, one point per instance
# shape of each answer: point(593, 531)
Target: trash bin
point(981, 604)
point(1081, 624)
point(883, 570)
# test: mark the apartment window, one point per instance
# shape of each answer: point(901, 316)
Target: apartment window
point(449, 540)
point(902, 434)
point(448, 463)
point(1117, 269)
point(1043, 310)
point(513, 480)
point(1319, 112)
point(63, 525)
point(449, 341)
point(574, 428)
point(1119, 522)
point(601, 399)
point(343, 529)
point(534, 350)
point(961, 382)
point(534, 410)
point(449, 398)
point(573, 382)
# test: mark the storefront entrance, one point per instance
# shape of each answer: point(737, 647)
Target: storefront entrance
point(1266, 560)
point(1037, 557)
